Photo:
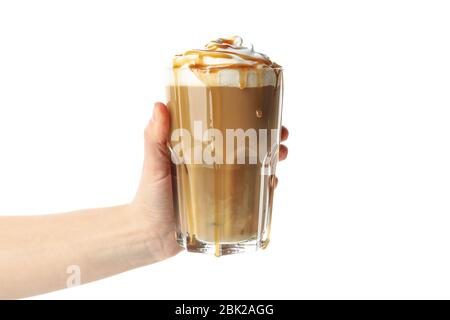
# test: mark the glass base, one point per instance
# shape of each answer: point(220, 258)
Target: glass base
point(192, 244)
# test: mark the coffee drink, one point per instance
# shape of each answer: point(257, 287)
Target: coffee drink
point(225, 108)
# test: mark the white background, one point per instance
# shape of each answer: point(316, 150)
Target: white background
point(363, 205)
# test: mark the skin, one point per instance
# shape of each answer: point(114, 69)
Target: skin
point(39, 254)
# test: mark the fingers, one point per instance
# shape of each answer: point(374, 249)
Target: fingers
point(283, 148)
point(284, 133)
point(283, 153)
point(275, 182)
point(157, 130)
point(157, 159)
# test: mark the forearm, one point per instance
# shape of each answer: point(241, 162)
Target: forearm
point(44, 253)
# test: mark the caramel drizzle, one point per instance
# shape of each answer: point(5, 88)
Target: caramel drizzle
point(198, 62)
point(220, 49)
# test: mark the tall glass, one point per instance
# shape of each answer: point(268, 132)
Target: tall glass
point(224, 149)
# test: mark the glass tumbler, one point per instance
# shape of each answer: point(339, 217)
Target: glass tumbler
point(224, 146)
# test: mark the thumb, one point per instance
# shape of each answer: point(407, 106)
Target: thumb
point(157, 157)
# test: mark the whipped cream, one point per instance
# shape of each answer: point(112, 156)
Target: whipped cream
point(225, 62)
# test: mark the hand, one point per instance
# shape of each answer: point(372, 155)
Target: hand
point(153, 204)
point(99, 242)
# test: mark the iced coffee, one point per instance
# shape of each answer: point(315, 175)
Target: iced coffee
point(225, 108)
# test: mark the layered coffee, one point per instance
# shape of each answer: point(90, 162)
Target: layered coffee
point(225, 107)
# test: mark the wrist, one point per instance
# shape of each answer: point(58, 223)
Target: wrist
point(150, 240)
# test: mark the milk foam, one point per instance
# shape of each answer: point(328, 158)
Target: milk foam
point(224, 62)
